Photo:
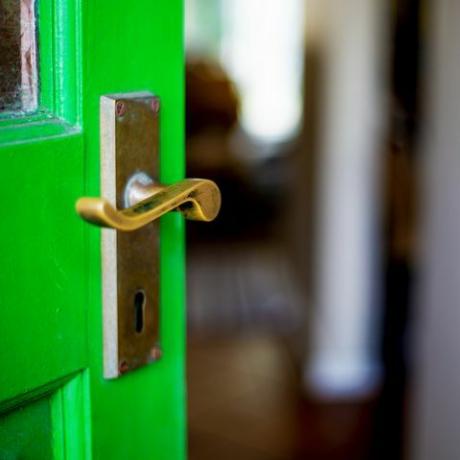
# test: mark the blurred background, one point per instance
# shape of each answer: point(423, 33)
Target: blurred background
point(322, 303)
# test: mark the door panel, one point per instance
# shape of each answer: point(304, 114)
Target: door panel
point(43, 288)
point(41, 276)
point(32, 428)
point(51, 383)
point(57, 425)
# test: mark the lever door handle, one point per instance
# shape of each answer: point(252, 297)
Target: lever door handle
point(196, 199)
point(133, 200)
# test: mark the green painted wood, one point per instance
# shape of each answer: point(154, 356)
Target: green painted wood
point(50, 271)
point(71, 419)
point(42, 281)
point(127, 49)
point(32, 428)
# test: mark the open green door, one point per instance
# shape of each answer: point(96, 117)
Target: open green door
point(54, 400)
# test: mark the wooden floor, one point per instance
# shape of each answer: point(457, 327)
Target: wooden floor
point(244, 403)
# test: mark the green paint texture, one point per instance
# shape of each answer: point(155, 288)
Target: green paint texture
point(140, 415)
point(50, 265)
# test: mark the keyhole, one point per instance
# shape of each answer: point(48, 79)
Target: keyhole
point(139, 304)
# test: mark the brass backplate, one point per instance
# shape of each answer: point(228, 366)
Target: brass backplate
point(130, 261)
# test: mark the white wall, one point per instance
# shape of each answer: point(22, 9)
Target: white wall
point(351, 35)
point(436, 405)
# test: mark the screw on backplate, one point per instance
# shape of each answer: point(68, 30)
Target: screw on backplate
point(120, 108)
point(155, 353)
point(123, 367)
point(155, 104)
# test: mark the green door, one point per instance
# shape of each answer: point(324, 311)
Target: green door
point(54, 400)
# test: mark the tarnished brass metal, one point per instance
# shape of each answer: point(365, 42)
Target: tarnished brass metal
point(197, 199)
point(133, 201)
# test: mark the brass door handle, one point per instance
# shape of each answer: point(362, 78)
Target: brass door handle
point(133, 201)
point(196, 199)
